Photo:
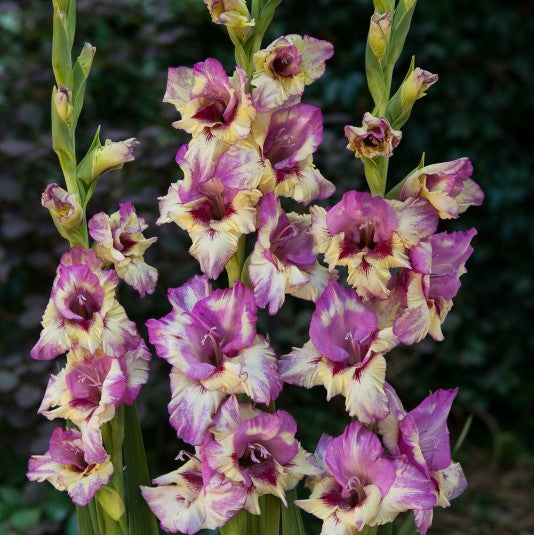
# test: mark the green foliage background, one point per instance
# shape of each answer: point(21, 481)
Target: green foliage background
point(482, 107)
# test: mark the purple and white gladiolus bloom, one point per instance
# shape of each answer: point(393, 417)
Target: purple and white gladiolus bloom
point(188, 499)
point(256, 450)
point(64, 465)
point(210, 340)
point(278, 156)
point(283, 260)
point(448, 187)
point(119, 240)
point(345, 354)
point(422, 438)
point(362, 486)
point(208, 99)
point(424, 295)
point(374, 138)
point(285, 67)
point(370, 236)
point(91, 387)
point(83, 310)
point(214, 213)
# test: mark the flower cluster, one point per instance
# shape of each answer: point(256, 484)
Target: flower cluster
point(107, 360)
point(402, 277)
point(252, 143)
point(390, 278)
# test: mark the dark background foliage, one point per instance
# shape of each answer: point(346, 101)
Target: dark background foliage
point(482, 107)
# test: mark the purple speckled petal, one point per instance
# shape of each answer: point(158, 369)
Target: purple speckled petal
point(358, 452)
point(341, 323)
point(410, 490)
point(184, 298)
point(430, 416)
point(294, 133)
point(191, 408)
point(450, 252)
point(231, 314)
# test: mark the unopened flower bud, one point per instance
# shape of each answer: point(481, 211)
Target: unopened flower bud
point(62, 205)
point(414, 87)
point(374, 138)
point(63, 103)
point(233, 14)
point(379, 33)
point(113, 155)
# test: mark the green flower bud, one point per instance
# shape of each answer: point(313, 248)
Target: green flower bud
point(63, 103)
point(414, 87)
point(113, 155)
point(233, 14)
point(379, 33)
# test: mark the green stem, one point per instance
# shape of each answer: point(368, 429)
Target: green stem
point(234, 266)
point(141, 521)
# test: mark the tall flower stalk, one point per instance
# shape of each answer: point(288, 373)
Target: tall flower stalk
point(252, 144)
point(98, 455)
point(251, 148)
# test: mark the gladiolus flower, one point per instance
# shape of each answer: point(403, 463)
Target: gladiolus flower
point(415, 86)
point(361, 486)
point(66, 468)
point(278, 157)
point(215, 216)
point(207, 99)
point(113, 155)
point(187, 501)
point(285, 67)
point(425, 295)
point(120, 241)
point(345, 354)
point(422, 438)
point(283, 260)
point(257, 450)
point(210, 340)
point(83, 310)
point(374, 138)
point(448, 187)
point(370, 236)
point(62, 205)
point(233, 14)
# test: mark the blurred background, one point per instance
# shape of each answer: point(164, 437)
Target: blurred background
point(482, 107)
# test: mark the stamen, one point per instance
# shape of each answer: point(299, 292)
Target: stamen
point(183, 455)
point(258, 448)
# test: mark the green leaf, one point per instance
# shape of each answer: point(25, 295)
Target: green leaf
point(84, 171)
point(141, 521)
point(237, 525)
point(373, 176)
point(268, 523)
point(386, 529)
point(400, 28)
point(463, 434)
point(396, 113)
point(87, 519)
point(61, 49)
point(291, 517)
point(235, 264)
point(408, 528)
point(384, 6)
point(71, 21)
point(376, 78)
point(81, 70)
